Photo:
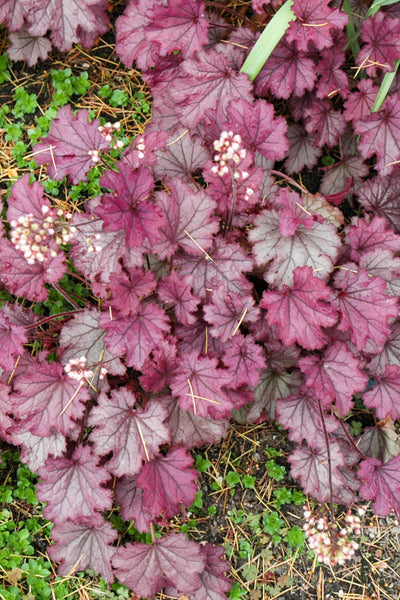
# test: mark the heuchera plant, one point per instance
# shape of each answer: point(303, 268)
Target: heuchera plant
point(222, 285)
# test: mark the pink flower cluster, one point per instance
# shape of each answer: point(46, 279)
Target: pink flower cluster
point(107, 131)
point(332, 545)
point(35, 238)
point(76, 368)
point(140, 146)
point(92, 246)
point(229, 155)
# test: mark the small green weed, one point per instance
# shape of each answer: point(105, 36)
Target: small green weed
point(67, 85)
point(236, 591)
point(4, 64)
point(275, 471)
point(25, 103)
point(284, 495)
point(202, 464)
point(233, 478)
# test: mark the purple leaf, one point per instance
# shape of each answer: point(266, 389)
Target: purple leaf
point(48, 398)
point(130, 499)
point(384, 396)
point(359, 103)
point(198, 384)
point(159, 368)
point(87, 38)
point(65, 18)
point(132, 43)
point(183, 155)
point(327, 124)
point(128, 288)
point(292, 215)
point(127, 208)
point(311, 466)
point(73, 487)
point(245, 360)
point(279, 380)
point(207, 78)
point(342, 177)
point(316, 247)
point(26, 47)
point(302, 151)
point(12, 337)
point(287, 72)
point(176, 290)
point(383, 264)
point(258, 128)
point(390, 353)
point(214, 582)
point(380, 441)
point(171, 560)
point(99, 252)
point(315, 23)
point(72, 145)
point(178, 26)
point(131, 434)
point(188, 221)
point(332, 79)
point(381, 483)
point(83, 544)
point(227, 312)
point(136, 335)
point(167, 481)
point(82, 336)
point(273, 385)
point(334, 376)
point(195, 337)
point(14, 12)
point(380, 195)
point(365, 236)
point(364, 308)
point(380, 135)
point(35, 449)
point(301, 311)
point(189, 430)
point(226, 267)
point(301, 415)
point(381, 35)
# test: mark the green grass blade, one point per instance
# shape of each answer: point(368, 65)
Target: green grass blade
point(385, 87)
point(376, 5)
point(352, 34)
point(269, 38)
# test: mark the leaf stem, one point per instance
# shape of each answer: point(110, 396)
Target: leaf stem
point(290, 180)
point(328, 453)
point(69, 313)
point(153, 537)
point(352, 441)
point(64, 295)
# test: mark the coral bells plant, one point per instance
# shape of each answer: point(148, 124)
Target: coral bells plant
point(220, 284)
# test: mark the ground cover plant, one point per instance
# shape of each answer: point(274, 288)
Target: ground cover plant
point(195, 272)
